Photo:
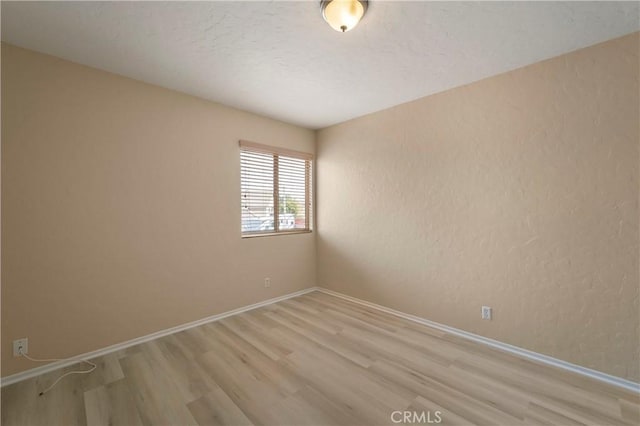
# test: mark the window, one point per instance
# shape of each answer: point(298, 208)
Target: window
point(276, 190)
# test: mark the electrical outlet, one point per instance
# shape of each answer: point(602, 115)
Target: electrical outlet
point(267, 282)
point(486, 312)
point(20, 345)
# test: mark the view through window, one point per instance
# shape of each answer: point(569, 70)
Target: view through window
point(276, 189)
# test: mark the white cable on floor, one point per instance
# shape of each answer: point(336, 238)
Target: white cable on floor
point(93, 367)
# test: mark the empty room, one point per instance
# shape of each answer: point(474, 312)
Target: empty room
point(338, 212)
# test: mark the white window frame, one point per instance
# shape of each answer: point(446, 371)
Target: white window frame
point(277, 153)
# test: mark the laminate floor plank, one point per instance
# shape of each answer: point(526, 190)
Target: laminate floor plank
point(257, 338)
point(111, 404)
point(434, 412)
point(216, 408)
point(249, 393)
point(316, 360)
point(260, 365)
point(630, 411)
point(540, 389)
point(66, 404)
point(348, 350)
point(340, 413)
point(186, 376)
point(156, 396)
point(477, 410)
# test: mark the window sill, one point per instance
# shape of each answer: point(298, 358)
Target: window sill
point(273, 234)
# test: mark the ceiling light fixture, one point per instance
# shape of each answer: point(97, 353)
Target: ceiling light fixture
point(343, 15)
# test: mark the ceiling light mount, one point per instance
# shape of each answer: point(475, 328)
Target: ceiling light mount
point(343, 15)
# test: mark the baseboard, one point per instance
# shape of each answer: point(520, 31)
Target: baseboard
point(524, 353)
point(27, 374)
point(534, 356)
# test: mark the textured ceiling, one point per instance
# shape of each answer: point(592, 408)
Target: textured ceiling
point(283, 61)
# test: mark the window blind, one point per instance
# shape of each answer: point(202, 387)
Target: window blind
point(275, 189)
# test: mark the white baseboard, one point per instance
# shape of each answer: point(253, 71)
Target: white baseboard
point(24, 375)
point(524, 353)
point(534, 356)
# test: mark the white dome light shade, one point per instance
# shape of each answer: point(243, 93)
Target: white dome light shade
point(343, 15)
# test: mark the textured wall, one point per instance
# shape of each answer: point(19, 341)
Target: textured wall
point(519, 192)
point(121, 209)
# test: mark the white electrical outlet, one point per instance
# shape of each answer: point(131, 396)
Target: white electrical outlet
point(267, 282)
point(20, 346)
point(486, 312)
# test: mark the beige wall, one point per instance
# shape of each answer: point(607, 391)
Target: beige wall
point(121, 209)
point(519, 192)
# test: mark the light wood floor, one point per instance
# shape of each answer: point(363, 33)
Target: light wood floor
point(316, 360)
